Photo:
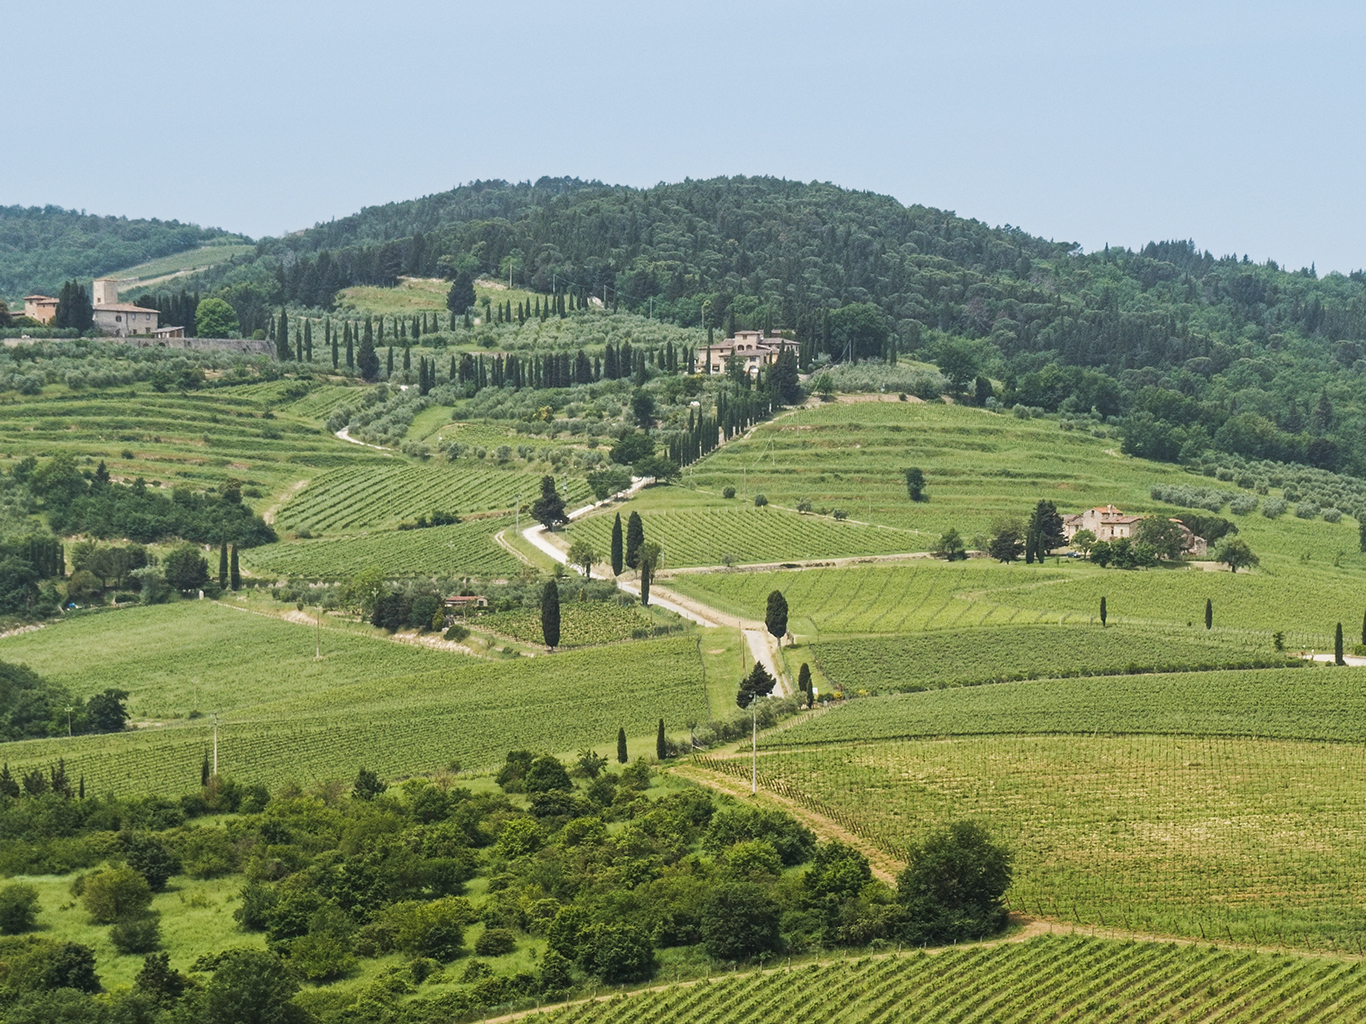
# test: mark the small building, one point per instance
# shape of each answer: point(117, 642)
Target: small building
point(42, 308)
point(105, 292)
point(1109, 524)
point(166, 333)
point(751, 348)
point(124, 320)
point(462, 602)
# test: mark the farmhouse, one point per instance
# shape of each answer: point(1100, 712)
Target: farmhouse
point(750, 347)
point(1109, 523)
point(42, 308)
point(120, 319)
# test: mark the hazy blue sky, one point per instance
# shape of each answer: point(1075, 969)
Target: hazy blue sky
point(1237, 124)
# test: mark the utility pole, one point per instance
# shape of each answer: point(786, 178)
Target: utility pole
point(318, 635)
point(754, 748)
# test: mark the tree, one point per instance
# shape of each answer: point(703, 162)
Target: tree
point(282, 351)
point(18, 908)
point(1045, 529)
point(1337, 647)
point(649, 561)
point(643, 409)
point(661, 743)
point(548, 509)
point(606, 482)
point(215, 318)
point(950, 545)
point(915, 484)
point(546, 775)
point(617, 953)
point(1102, 611)
point(619, 563)
point(759, 683)
point(368, 785)
point(367, 360)
point(635, 537)
point(622, 758)
point(953, 886)
point(234, 573)
point(1363, 631)
point(150, 857)
point(105, 712)
point(1083, 541)
point(550, 614)
point(1163, 535)
point(1005, 544)
point(158, 980)
point(461, 295)
point(185, 568)
point(74, 310)
point(858, 331)
point(804, 683)
point(958, 363)
point(1234, 553)
point(740, 921)
point(1209, 614)
point(112, 893)
point(775, 615)
point(581, 553)
point(251, 986)
point(223, 565)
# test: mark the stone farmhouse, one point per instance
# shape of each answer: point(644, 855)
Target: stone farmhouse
point(1109, 523)
point(120, 319)
point(750, 347)
point(42, 308)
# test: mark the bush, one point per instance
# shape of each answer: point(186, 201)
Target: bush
point(136, 933)
point(321, 957)
point(617, 953)
point(1306, 510)
point(1332, 515)
point(1273, 507)
point(495, 942)
point(114, 893)
point(760, 501)
point(727, 492)
point(794, 842)
point(953, 886)
point(740, 921)
point(1242, 505)
point(457, 633)
point(18, 908)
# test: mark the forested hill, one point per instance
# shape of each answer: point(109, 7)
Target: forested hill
point(40, 247)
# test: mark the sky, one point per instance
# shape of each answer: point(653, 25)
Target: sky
point(1236, 124)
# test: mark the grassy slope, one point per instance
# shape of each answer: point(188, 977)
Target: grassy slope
point(396, 708)
point(1050, 978)
point(424, 294)
point(161, 271)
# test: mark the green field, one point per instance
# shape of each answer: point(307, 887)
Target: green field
point(425, 294)
point(699, 529)
point(582, 623)
point(1046, 979)
point(399, 708)
point(159, 272)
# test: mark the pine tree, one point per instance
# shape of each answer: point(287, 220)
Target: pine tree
point(775, 617)
point(223, 566)
point(1102, 611)
point(282, 338)
point(234, 574)
point(621, 753)
point(635, 537)
point(1209, 614)
point(550, 614)
point(618, 561)
point(661, 744)
point(1337, 647)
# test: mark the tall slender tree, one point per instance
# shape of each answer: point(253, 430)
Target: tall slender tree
point(367, 359)
point(282, 338)
point(308, 340)
point(661, 743)
point(1102, 610)
point(350, 347)
point(1209, 614)
point(635, 537)
point(622, 757)
point(775, 616)
point(550, 614)
point(804, 683)
point(223, 566)
point(234, 574)
point(619, 563)
point(1338, 659)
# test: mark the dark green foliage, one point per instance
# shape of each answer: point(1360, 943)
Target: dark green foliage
point(368, 785)
point(740, 921)
point(635, 537)
point(1209, 614)
point(617, 953)
point(136, 933)
point(775, 615)
point(1045, 532)
point(794, 842)
point(282, 351)
point(367, 360)
point(951, 546)
point(954, 886)
point(250, 987)
point(546, 774)
point(71, 965)
point(1162, 535)
point(759, 683)
point(1005, 544)
point(1102, 610)
point(234, 573)
point(915, 484)
point(622, 758)
point(18, 908)
point(548, 509)
point(149, 857)
point(495, 942)
point(618, 553)
point(661, 743)
point(74, 311)
point(550, 614)
point(804, 684)
point(223, 565)
point(186, 569)
point(1337, 646)
point(158, 980)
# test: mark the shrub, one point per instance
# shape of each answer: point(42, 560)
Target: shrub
point(1332, 515)
point(740, 921)
point(1306, 510)
point(1243, 504)
point(136, 933)
point(953, 886)
point(839, 514)
point(456, 633)
point(114, 893)
point(18, 908)
point(495, 942)
point(760, 501)
point(617, 953)
point(727, 492)
point(321, 957)
point(1273, 507)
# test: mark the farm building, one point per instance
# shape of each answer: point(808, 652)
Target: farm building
point(123, 320)
point(1109, 523)
point(464, 601)
point(42, 308)
point(750, 347)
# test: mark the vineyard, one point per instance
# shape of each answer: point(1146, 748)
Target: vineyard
point(1046, 979)
point(1253, 839)
point(466, 549)
point(364, 496)
point(957, 657)
point(470, 713)
point(582, 623)
point(716, 532)
point(1300, 703)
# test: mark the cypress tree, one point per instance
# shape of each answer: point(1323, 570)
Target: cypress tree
point(621, 747)
point(379, 333)
point(1363, 630)
point(334, 347)
point(308, 340)
point(1102, 611)
point(223, 565)
point(645, 569)
point(367, 359)
point(350, 348)
point(661, 744)
point(1337, 647)
point(282, 338)
point(635, 537)
point(298, 347)
point(550, 614)
point(234, 574)
point(804, 683)
point(1209, 614)
point(775, 617)
point(391, 361)
point(407, 357)
point(618, 561)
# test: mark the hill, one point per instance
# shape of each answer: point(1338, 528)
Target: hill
point(40, 247)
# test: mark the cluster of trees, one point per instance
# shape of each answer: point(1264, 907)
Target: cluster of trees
point(32, 708)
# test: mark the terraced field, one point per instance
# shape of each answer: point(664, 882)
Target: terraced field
point(395, 490)
point(466, 549)
point(1046, 979)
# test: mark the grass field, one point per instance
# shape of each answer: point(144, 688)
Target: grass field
point(1046, 979)
point(582, 624)
point(160, 271)
point(700, 529)
point(424, 294)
